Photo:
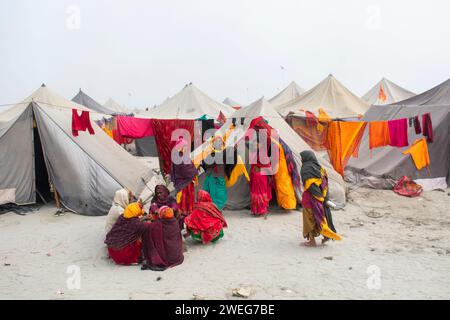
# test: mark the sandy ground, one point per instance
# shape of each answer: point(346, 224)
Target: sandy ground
point(404, 243)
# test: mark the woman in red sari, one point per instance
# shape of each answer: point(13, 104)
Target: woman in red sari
point(205, 223)
point(260, 189)
point(261, 169)
point(124, 239)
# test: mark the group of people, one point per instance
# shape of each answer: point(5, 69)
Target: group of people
point(154, 238)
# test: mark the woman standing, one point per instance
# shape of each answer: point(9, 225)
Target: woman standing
point(317, 219)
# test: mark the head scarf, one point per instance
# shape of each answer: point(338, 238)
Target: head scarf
point(133, 210)
point(203, 196)
point(205, 204)
point(121, 198)
point(162, 195)
point(311, 168)
point(165, 212)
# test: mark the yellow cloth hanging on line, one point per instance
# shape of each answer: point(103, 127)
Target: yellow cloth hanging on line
point(419, 153)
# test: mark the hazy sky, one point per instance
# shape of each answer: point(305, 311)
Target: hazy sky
point(141, 52)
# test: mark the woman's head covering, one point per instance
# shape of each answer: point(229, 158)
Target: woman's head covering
point(162, 195)
point(121, 198)
point(203, 196)
point(311, 168)
point(165, 212)
point(133, 210)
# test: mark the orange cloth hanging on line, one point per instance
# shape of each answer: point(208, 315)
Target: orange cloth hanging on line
point(379, 134)
point(343, 142)
point(419, 153)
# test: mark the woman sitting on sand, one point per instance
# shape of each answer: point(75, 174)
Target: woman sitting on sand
point(162, 242)
point(205, 224)
point(317, 217)
point(122, 199)
point(162, 198)
point(124, 240)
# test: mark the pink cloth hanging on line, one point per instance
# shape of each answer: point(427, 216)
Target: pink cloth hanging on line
point(398, 132)
point(135, 128)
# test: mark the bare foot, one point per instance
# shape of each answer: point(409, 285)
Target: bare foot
point(311, 243)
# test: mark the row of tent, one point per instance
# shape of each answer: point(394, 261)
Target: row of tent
point(37, 144)
point(335, 98)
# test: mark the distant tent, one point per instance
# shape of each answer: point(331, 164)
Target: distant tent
point(388, 164)
point(85, 100)
point(239, 195)
point(330, 95)
point(291, 92)
point(115, 107)
point(189, 103)
point(386, 92)
point(37, 146)
point(232, 103)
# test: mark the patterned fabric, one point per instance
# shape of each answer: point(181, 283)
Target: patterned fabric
point(291, 165)
point(163, 135)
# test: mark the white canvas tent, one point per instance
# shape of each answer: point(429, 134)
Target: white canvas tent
point(261, 107)
point(332, 96)
point(386, 92)
point(291, 92)
point(85, 170)
point(115, 106)
point(189, 103)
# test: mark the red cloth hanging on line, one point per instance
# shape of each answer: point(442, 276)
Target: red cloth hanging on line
point(135, 128)
point(163, 135)
point(81, 122)
point(427, 127)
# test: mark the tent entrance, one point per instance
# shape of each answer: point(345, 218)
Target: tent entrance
point(43, 192)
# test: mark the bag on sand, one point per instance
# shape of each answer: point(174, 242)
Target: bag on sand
point(407, 188)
